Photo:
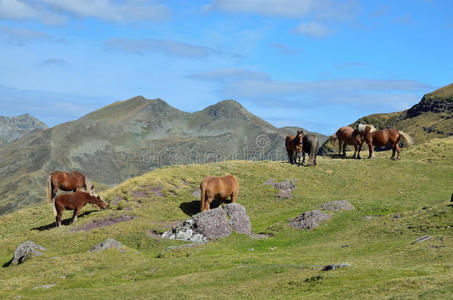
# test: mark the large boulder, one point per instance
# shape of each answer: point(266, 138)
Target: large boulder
point(212, 224)
point(309, 220)
point(24, 252)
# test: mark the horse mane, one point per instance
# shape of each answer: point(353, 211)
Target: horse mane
point(361, 127)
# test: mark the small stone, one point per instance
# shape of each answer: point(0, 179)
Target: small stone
point(344, 246)
point(338, 205)
point(421, 239)
point(274, 248)
point(107, 244)
point(333, 267)
point(45, 286)
point(251, 249)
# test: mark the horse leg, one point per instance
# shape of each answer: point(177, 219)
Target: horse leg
point(233, 197)
point(290, 160)
point(76, 213)
point(355, 151)
point(58, 218)
point(344, 149)
point(398, 157)
point(339, 147)
point(207, 204)
point(303, 158)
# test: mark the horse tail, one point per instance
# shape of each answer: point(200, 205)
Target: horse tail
point(406, 137)
point(87, 185)
point(333, 138)
point(49, 188)
point(203, 195)
point(54, 207)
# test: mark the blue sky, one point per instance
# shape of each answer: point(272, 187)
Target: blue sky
point(318, 64)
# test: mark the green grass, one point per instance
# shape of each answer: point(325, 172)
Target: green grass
point(384, 261)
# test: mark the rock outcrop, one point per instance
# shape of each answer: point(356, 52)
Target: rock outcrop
point(24, 252)
point(107, 244)
point(309, 220)
point(212, 224)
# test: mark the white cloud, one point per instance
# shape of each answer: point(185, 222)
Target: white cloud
point(231, 74)
point(20, 37)
point(118, 11)
point(313, 29)
point(287, 8)
point(144, 46)
point(57, 11)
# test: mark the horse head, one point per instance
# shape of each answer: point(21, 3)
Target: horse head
point(97, 199)
point(299, 137)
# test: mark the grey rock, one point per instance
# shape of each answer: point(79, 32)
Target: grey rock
point(197, 193)
point(45, 286)
point(338, 205)
point(24, 252)
point(333, 267)
point(286, 186)
point(421, 239)
point(212, 224)
point(239, 220)
point(309, 220)
point(107, 244)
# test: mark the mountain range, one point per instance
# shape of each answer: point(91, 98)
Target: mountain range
point(131, 137)
point(13, 128)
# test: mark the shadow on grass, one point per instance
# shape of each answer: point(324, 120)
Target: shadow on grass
point(65, 222)
point(193, 207)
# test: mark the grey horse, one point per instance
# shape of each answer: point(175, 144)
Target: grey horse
point(310, 145)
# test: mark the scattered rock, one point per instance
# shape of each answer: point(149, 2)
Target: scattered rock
point(274, 248)
point(338, 205)
point(197, 193)
point(212, 224)
point(396, 216)
point(24, 252)
point(421, 239)
point(107, 244)
point(309, 220)
point(313, 279)
point(344, 246)
point(110, 220)
point(45, 286)
point(333, 267)
point(252, 249)
point(285, 187)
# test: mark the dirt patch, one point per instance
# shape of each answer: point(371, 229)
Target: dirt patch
point(110, 220)
point(157, 191)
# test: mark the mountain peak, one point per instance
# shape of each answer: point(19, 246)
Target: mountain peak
point(439, 101)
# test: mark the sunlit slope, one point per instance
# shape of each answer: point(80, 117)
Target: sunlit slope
point(396, 202)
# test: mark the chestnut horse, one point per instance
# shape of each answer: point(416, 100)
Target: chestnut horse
point(219, 188)
point(347, 136)
point(384, 137)
point(294, 146)
point(66, 181)
point(75, 201)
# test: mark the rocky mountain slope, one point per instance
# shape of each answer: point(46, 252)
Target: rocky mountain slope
point(431, 118)
point(13, 128)
point(129, 138)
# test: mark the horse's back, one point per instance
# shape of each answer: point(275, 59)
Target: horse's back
point(224, 186)
point(71, 200)
point(310, 143)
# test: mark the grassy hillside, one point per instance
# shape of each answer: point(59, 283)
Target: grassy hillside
point(431, 118)
point(396, 202)
point(129, 138)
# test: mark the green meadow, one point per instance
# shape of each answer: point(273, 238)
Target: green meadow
point(396, 202)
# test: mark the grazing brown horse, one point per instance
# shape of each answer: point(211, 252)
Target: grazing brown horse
point(219, 188)
point(294, 146)
point(384, 137)
point(74, 201)
point(66, 181)
point(347, 136)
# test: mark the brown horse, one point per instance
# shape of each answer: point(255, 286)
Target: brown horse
point(294, 146)
point(347, 136)
point(66, 181)
point(74, 201)
point(219, 188)
point(384, 137)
